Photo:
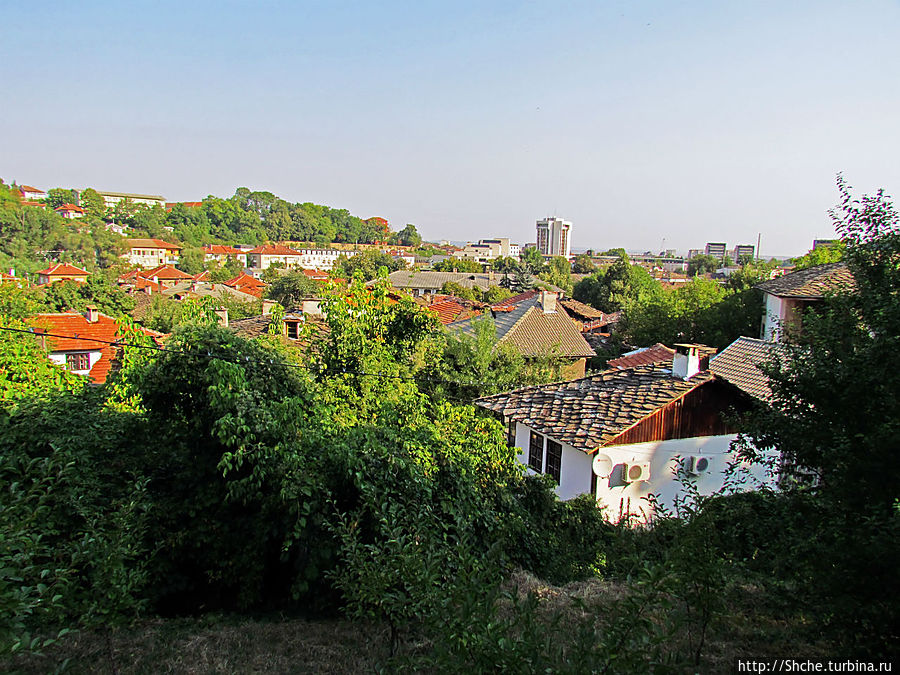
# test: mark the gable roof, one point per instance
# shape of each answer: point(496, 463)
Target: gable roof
point(151, 243)
point(69, 207)
point(813, 283)
point(739, 364)
point(581, 309)
point(592, 411)
point(534, 333)
point(274, 249)
point(75, 328)
point(219, 249)
point(64, 269)
point(244, 279)
point(644, 356)
point(511, 302)
point(165, 272)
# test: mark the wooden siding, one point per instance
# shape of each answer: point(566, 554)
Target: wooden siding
point(700, 412)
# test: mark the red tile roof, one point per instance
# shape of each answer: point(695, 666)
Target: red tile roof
point(643, 357)
point(64, 269)
point(274, 249)
point(244, 279)
point(510, 303)
point(152, 243)
point(75, 328)
point(69, 207)
point(316, 275)
point(28, 188)
point(165, 272)
point(169, 205)
point(219, 249)
point(447, 310)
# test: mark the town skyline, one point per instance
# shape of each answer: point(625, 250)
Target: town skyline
point(691, 124)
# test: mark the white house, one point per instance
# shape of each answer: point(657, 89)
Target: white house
point(619, 434)
point(151, 252)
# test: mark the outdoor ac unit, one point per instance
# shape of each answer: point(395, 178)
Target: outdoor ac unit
point(636, 471)
point(698, 464)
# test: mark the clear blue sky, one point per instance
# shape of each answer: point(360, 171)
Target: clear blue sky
point(638, 121)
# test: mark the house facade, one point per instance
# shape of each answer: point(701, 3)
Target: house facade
point(62, 272)
point(622, 435)
point(69, 211)
point(221, 254)
point(111, 199)
point(151, 252)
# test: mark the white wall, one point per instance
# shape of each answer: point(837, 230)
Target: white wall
point(60, 359)
point(621, 498)
point(574, 468)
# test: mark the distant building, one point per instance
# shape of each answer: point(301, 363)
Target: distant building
point(151, 252)
point(62, 272)
point(31, 194)
point(741, 250)
point(820, 243)
point(716, 250)
point(221, 254)
point(110, 199)
point(694, 252)
point(70, 211)
point(553, 237)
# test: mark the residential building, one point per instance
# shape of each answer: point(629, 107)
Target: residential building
point(742, 251)
point(789, 295)
point(151, 252)
point(622, 435)
point(31, 194)
point(422, 283)
point(82, 343)
point(694, 252)
point(221, 254)
point(536, 325)
point(716, 249)
point(69, 211)
point(161, 277)
point(553, 237)
point(112, 199)
point(62, 272)
point(247, 284)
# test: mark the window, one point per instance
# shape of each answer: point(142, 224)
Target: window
point(554, 459)
point(80, 361)
point(536, 452)
point(511, 434)
point(292, 330)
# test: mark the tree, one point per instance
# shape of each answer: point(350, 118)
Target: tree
point(616, 286)
point(192, 260)
point(532, 259)
point(583, 264)
point(834, 417)
point(364, 264)
point(458, 290)
point(289, 289)
point(453, 264)
point(821, 255)
point(559, 273)
point(409, 236)
point(701, 264)
point(92, 202)
point(56, 197)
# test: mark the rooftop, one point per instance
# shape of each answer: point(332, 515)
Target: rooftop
point(739, 364)
point(813, 282)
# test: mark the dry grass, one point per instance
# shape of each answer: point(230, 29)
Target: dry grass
point(753, 625)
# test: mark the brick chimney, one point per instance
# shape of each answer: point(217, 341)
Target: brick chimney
point(686, 361)
point(222, 314)
point(92, 314)
point(548, 302)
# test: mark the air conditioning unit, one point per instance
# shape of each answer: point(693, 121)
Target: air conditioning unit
point(636, 471)
point(698, 464)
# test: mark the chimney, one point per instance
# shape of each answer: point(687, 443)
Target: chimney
point(222, 313)
point(548, 302)
point(686, 362)
point(267, 306)
point(92, 314)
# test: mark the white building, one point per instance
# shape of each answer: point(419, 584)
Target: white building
point(621, 434)
point(111, 199)
point(151, 252)
point(553, 237)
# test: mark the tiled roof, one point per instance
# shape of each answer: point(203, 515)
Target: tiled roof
point(316, 275)
point(202, 290)
point(642, 357)
point(581, 309)
point(533, 333)
point(152, 243)
point(219, 249)
point(435, 280)
point(447, 310)
point(69, 207)
point(28, 188)
point(64, 269)
point(738, 364)
point(243, 279)
point(165, 273)
point(76, 327)
point(274, 249)
point(813, 282)
point(590, 412)
point(511, 302)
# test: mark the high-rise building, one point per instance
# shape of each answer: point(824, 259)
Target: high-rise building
point(743, 251)
point(553, 237)
point(716, 250)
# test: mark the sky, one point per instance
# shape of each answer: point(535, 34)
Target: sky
point(647, 124)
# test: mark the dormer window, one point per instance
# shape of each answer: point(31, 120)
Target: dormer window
point(292, 330)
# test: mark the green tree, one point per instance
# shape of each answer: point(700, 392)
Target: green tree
point(583, 264)
point(364, 264)
point(92, 202)
point(289, 289)
point(409, 236)
point(458, 290)
point(458, 265)
point(701, 264)
point(559, 273)
point(820, 256)
point(56, 197)
point(192, 260)
point(532, 259)
point(616, 286)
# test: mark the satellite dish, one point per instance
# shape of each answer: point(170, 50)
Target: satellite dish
point(602, 465)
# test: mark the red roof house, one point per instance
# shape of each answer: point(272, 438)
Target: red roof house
point(70, 211)
point(62, 272)
point(82, 343)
